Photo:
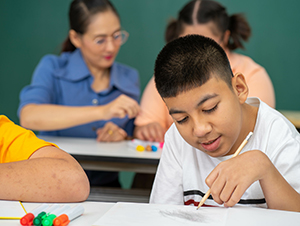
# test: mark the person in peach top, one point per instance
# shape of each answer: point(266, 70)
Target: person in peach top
point(207, 18)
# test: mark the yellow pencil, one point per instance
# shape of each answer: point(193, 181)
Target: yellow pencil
point(23, 207)
point(234, 155)
point(10, 218)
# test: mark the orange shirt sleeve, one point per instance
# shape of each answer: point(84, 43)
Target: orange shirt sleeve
point(153, 108)
point(17, 143)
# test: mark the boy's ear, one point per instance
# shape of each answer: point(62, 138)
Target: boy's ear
point(240, 87)
point(75, 38)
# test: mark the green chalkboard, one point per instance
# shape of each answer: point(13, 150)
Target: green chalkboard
point(30, 29)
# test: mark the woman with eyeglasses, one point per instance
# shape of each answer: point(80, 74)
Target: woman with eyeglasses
point(208, 18)
point(84, 92)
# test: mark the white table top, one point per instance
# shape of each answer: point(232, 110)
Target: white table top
point(90, 147)
point(92, 212)
point(137, 213)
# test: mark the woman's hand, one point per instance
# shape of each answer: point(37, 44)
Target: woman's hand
point(110, 132)
point(120, 107)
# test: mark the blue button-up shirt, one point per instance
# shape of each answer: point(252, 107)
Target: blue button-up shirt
point(66, 80)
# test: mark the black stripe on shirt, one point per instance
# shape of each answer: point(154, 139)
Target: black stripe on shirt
point(242, 201)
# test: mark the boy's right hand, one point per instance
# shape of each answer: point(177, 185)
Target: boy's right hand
point(150, 132)
point(231, 178)
point(120, 107)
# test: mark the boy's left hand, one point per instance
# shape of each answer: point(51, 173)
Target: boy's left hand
point(231, 178)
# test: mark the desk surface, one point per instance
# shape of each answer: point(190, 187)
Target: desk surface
point(113, 213)
point(92, 212)
point(113, 156)
point(90, 147)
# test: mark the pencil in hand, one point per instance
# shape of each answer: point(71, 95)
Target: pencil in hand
point(234, 155)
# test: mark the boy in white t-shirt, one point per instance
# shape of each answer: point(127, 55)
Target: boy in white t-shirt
point(212, 117)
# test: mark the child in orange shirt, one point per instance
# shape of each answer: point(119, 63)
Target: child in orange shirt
point(34, 170)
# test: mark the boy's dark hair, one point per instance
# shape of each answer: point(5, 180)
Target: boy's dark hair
point(189, 62)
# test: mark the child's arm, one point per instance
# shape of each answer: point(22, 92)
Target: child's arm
point(231, 178)
point(49, 175)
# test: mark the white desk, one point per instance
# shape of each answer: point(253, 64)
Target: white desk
point(143, 214)
point(114, 156)
point(92, 212)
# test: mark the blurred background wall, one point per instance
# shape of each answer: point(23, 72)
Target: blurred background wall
point(30, 29)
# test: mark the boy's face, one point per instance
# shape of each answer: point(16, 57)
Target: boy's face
point(210, 117)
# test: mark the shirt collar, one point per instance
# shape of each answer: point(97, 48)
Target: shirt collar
point(114, 76)
point(121, 78)
point(75, 69)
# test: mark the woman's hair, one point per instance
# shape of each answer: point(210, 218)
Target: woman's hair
point(205, 11)
point(80, 14)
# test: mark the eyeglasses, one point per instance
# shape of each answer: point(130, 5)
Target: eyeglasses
point(118, 38)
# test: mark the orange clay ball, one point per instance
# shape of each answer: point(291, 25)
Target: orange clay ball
point(148, 148)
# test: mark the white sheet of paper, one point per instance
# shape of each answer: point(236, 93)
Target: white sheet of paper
point(247, 216)
point(135, 214)
point(11, 209)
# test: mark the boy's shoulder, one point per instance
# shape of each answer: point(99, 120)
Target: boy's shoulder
point(273, 132)
point(268, 116)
